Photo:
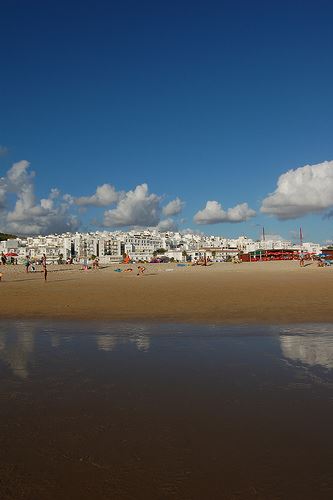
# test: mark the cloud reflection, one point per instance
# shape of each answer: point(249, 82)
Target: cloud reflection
point(106, 342)
point(311, 350)
point(109, 342)
point(17, 347)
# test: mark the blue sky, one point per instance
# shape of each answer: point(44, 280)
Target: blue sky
point(202, 101)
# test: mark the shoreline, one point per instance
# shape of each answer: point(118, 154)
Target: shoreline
point(231, 294)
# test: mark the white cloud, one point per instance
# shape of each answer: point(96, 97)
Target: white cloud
point(174, 207)
point(135, 208)
point(190, 230)
point(167, 225)
point(68, 198)
point(23, 214)
point(15, 179)
point(305, 190)
point(18, 176)
point(213, 213)
point(273, 237)
point(105, 195)
point(29, 216)
point(3, 194)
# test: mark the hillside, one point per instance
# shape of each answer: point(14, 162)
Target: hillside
point(5, 236)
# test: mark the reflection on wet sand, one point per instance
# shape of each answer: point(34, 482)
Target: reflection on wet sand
point(109, 342)
point(17, 343)
point(106, 342)
point(309, 350)
point(308, 344)
point(17, 347)
point(103, 411)
point(108, 337)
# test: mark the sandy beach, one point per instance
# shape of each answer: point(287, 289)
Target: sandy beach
point(263, 292)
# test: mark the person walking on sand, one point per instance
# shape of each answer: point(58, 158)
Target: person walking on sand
point(27, 263)
point(45, 270)
point(301, 259)
point(141, 270)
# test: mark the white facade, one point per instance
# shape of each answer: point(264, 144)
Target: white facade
point(141, 245)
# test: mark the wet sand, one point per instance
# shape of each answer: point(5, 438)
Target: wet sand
point(95, 411)
point(263, 292)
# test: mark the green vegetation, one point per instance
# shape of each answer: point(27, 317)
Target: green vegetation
point(5, 236)
point(159, 251)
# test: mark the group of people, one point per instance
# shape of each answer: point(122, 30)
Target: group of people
point(86, 263)
point(202, 261)
point(29, 265)
point(141, 270)
point(4, 260)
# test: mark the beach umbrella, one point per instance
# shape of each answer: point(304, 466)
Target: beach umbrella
point(11, 254)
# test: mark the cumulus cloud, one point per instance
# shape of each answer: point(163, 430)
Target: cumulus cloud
point(68, 198)
point(274, 237)
point(167, 225)
point(135, 208)
point(213, 213)
point(105, 195)
point(23, 214)
point(190, 230)
point(14, 180)
point(29, 216)
point(3, 193)
point(174, 207)
point(305, 190)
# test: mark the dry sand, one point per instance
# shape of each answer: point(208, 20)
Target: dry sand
point(263, 292)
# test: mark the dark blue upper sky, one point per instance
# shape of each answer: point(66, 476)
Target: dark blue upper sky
point(201, 100)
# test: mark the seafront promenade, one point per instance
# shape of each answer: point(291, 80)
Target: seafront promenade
point(263, 292)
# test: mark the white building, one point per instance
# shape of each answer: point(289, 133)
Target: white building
point(141, 245)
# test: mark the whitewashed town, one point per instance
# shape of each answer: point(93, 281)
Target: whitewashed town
point(147, 245)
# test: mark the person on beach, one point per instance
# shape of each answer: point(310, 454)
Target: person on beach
point(301, 259)
point(141, 270)
point(3, 259)
point(27, 263)
point(0, 276)
point(45, 270)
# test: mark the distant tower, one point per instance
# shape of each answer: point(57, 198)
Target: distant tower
point(300, 236)
point(263, 233)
